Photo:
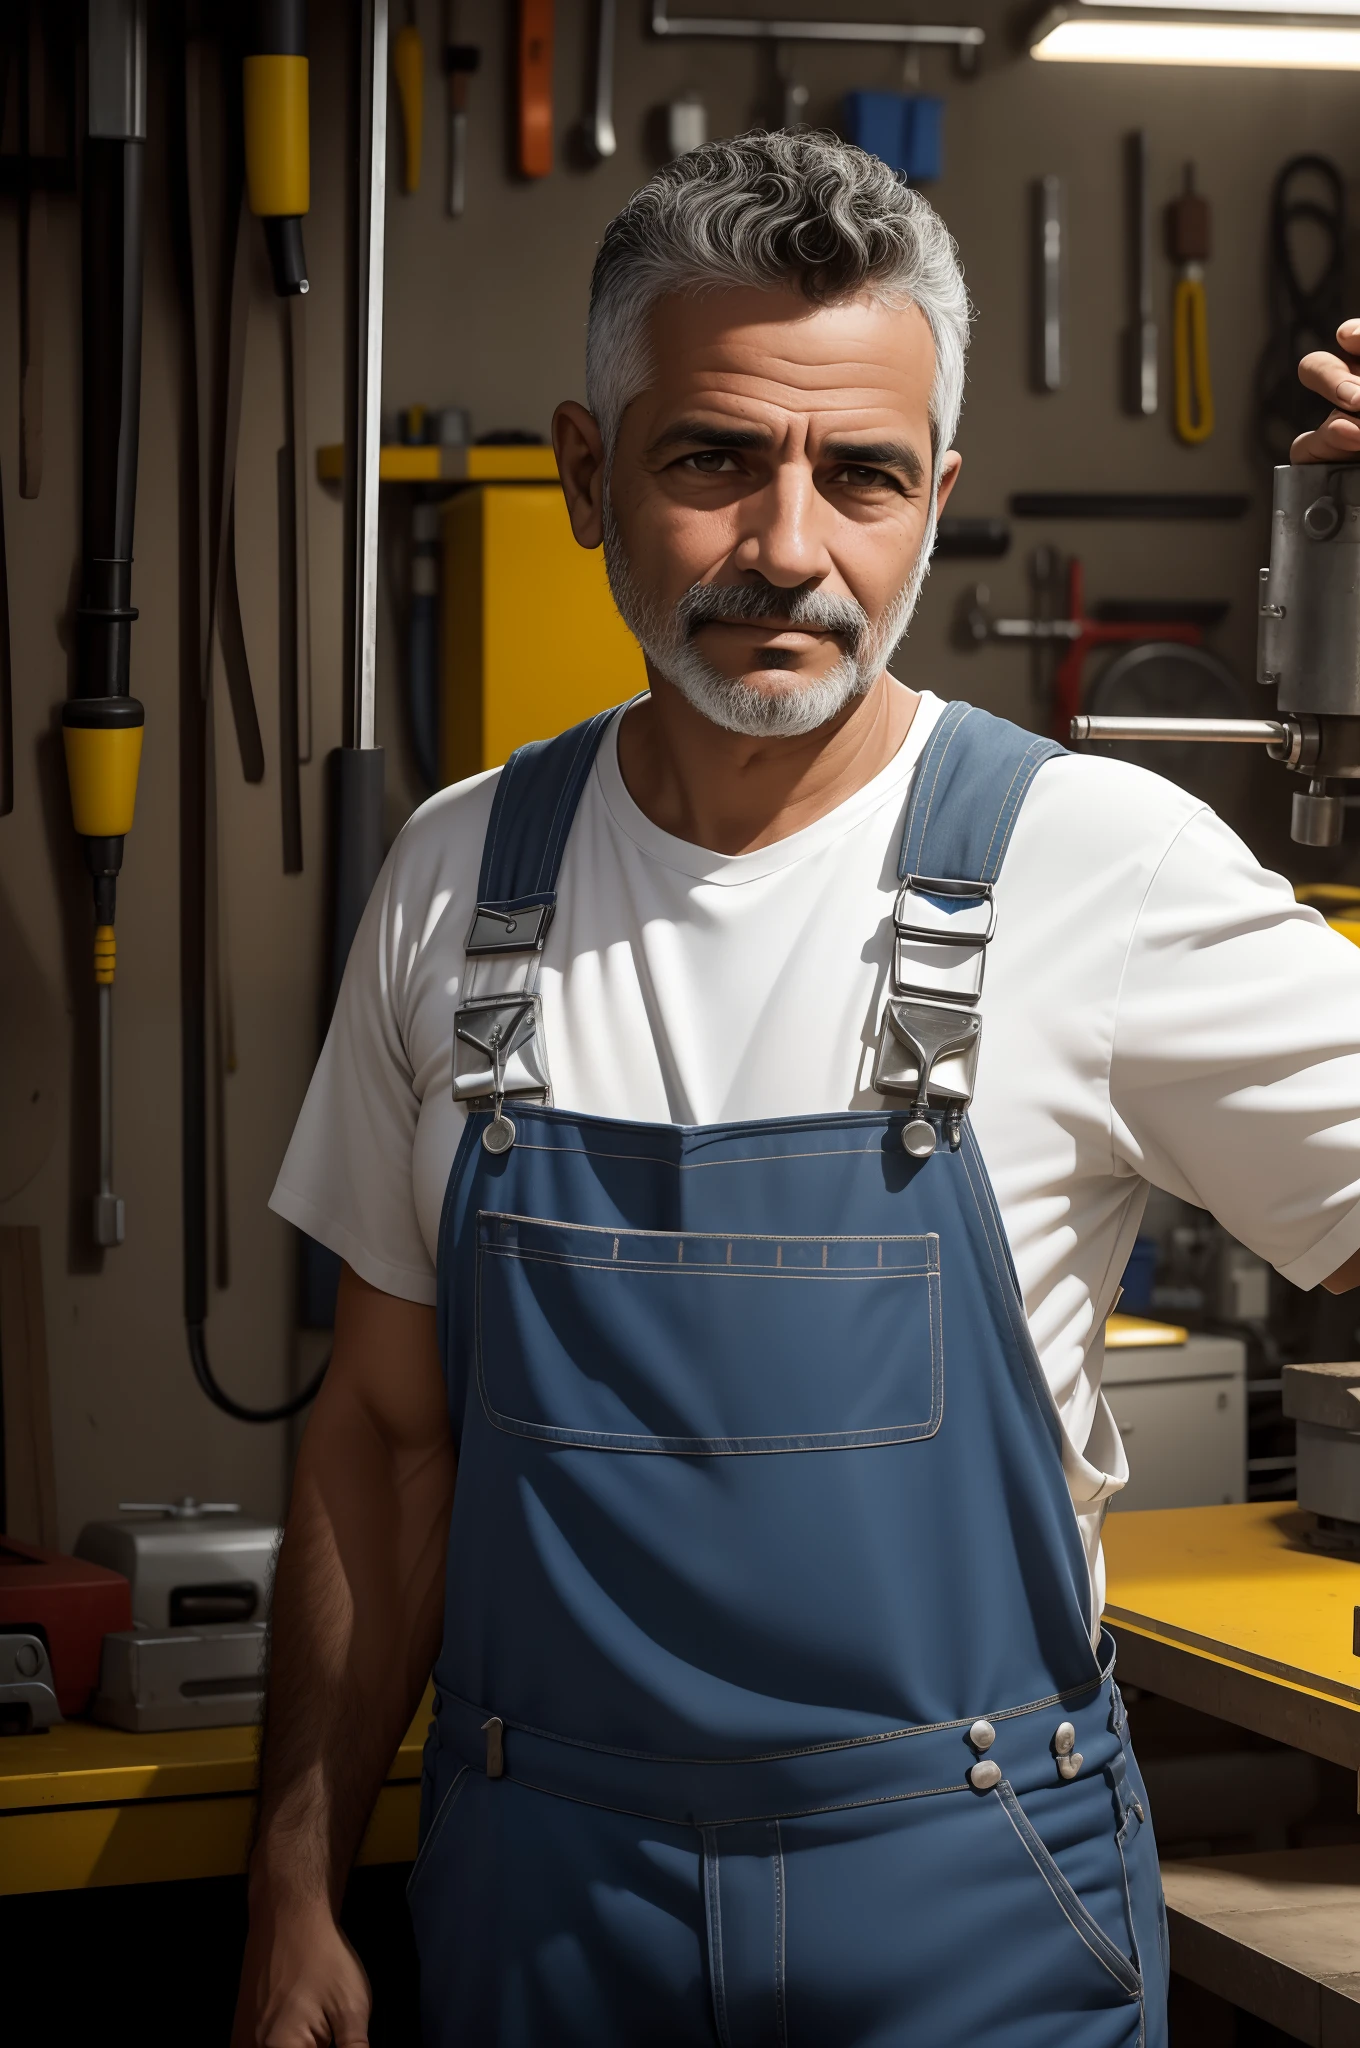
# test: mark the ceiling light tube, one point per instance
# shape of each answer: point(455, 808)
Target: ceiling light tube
point(1247, 38)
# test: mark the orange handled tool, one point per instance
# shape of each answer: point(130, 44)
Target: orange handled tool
point(408, 68)
point(534, 95)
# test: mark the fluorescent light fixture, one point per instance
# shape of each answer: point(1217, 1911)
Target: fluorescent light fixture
point(1246, 34)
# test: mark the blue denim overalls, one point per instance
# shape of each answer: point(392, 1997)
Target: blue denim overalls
point(767, 1711)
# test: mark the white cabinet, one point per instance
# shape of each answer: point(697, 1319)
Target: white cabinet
point(1182, 1413)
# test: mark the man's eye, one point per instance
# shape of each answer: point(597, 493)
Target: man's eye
point(860, 476)
point(710, 461)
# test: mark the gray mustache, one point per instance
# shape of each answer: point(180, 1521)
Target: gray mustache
point(819, 609)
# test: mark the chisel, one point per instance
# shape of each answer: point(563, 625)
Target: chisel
point(1142, 335)
point(460, 61)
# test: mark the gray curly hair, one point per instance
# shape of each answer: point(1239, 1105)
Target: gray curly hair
point(770, 210)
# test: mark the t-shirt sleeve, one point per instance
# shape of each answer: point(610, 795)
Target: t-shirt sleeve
point(346, 1178)
point(1235, 1068)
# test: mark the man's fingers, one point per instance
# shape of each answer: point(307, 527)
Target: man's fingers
point(1336, 440)
point(1332, 377)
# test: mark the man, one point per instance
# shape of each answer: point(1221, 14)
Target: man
point(746, 1254)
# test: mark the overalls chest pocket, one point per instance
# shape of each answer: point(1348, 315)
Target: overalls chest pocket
point(703, 1345)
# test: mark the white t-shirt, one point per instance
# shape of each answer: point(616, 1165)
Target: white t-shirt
point(1157, 1008)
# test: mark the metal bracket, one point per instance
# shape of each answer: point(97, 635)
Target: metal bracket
point(965, 42)
point(929, 1052)
point(509, 927)
point(498, 1049)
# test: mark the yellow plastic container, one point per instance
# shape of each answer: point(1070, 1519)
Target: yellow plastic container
point(532, 642)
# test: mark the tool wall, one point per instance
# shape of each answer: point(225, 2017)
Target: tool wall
point(500, 183)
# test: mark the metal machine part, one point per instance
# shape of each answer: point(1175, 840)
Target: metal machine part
point(204, 1678)
point(1324, 1402)
point(1308, 649)
point(190, 1566)
point(28, 1693)
point(1158, 678)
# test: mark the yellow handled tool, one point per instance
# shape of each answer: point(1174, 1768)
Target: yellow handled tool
point(1190, 341)
point(1188, 246)
point(278, 145)
point(408, 68)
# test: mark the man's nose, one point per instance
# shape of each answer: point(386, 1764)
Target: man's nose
point(781, 539)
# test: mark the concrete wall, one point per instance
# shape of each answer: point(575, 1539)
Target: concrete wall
point(488, 312)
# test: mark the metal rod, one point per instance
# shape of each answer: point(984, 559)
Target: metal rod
point(108, 1208)
point(368, 397)
point(602, 138)
point(1248, 732)
point(749, 27)
point(1034, 629)
point(1050, 255)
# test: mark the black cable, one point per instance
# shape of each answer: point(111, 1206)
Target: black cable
point(1304, 316)
point(194, 867)
point(203, 1373)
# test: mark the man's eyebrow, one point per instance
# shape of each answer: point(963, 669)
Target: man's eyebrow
point(698, 433)
point(898, 455)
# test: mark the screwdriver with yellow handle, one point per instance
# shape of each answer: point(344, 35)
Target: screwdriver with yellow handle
point(408, 68)
point(278, 147)
point(102, 723)
point(1188, 240)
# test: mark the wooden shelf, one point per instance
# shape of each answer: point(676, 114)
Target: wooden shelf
point(1276, 1934)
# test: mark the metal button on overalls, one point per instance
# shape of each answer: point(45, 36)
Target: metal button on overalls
point(762, 1560)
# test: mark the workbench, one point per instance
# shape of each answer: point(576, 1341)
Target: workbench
point(1225, 1609)
point(84, 1805)
point(1231, 1611)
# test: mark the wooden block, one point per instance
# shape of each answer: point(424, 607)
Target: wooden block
point(30, 1469)
point(1278, 1935)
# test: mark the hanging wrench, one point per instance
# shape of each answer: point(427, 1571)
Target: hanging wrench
point(600, 129)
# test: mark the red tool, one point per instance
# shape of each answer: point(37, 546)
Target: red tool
point(70, 1604)
point(535, 82)
point(1092, 633)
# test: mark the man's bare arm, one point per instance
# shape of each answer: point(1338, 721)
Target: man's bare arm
point(356, 1621)
point(1345, 1277)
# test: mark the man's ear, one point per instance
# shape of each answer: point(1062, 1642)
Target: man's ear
point(949, 476)
point(579, 447)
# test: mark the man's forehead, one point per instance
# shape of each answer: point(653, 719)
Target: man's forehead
point(732, 352)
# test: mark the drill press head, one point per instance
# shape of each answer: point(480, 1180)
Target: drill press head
point(1308, 636)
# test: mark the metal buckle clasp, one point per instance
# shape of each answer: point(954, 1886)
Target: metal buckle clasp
point(940, 934)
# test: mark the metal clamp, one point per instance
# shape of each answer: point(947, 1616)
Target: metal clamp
point(940, 951)
point(498, 1049)
point(928, 1051)
point(509, 927)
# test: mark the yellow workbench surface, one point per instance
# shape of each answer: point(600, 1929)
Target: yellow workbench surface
point(1231, 1610)
point(85, 1805)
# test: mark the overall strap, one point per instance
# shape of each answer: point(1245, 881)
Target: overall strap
point(498, 1047)
point(535, 802)
point(974, 775)
point(966, 795)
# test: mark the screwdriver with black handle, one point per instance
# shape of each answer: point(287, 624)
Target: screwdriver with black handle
point(102, 723)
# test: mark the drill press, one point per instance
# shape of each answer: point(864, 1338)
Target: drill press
point(1308, 650)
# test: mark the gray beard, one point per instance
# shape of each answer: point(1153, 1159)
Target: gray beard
point(667, 639)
